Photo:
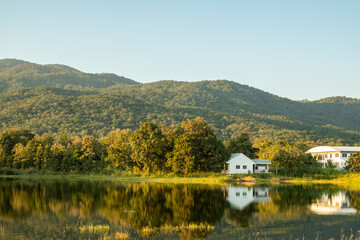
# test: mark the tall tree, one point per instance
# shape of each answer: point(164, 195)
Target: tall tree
point(198, 147)
point(8, 139)
point(118, 150)
point(92, 153)
point(241, 144)
point(182, 158)
point(149, 147)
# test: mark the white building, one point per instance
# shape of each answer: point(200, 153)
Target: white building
point(339, 156)
point(241, 164)
point(241, 197)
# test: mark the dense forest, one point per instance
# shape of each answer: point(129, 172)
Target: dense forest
point(191, 147)
point(57, 99)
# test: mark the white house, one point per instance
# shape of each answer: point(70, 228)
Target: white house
point(339, 156)
point(241, 164)
point(241, 197)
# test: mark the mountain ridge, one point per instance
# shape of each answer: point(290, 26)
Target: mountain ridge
point(16, 74)
point(228, 106)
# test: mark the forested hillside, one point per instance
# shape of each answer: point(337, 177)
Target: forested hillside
point(16, 74)
point(57, 99)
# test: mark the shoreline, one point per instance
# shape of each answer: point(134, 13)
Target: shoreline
point(349, 180)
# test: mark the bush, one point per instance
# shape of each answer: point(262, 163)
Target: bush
point(312, 172)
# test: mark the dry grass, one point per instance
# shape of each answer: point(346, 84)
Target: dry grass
point(97, 229)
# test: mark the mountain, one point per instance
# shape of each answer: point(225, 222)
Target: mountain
point(15, 74)
point(94, 107)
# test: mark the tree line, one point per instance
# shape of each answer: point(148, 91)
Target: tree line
point(152, 148)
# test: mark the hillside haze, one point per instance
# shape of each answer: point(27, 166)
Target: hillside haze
point(58, 98)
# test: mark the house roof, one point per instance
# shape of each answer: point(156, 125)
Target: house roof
point(333, 149)
point(233, 155)
point(261, 161)
point(243, 156)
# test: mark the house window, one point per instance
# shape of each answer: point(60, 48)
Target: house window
point(336, 155)
point(344, 155)
point(330, 155)
point(237, 194)
point(237, 166)
point(244, 167)
point(244, 193)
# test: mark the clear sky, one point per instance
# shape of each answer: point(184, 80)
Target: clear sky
point(299, 49)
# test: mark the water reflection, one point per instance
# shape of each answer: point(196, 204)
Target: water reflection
point(73, 209)
point(333, 204)
point(241, 196)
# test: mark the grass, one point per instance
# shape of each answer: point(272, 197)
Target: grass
point(345, 180)
point(198, 178)
point(262, 236)
point(149, 231)
point(97, 229)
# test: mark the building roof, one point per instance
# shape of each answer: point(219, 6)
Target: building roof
point(243, 156)
point(333, 149)
point(261, 161)
point(233, 155)
point(239, 156)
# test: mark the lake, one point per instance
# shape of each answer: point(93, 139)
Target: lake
point(92, 209)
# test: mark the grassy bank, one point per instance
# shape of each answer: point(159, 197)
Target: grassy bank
point(345, 180)
point(198, 178)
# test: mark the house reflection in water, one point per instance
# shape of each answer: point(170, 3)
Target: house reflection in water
point(241, 197)
point(334, 204)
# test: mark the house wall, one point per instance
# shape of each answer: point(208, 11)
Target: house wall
point(243, 162)
point(337, 158)
point(262, 168)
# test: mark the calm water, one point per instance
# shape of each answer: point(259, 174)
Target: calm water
point(106, 210)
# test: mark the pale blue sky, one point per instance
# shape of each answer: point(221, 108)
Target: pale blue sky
point(295, 48)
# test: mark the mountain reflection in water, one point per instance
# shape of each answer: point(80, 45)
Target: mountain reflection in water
point(104, 209)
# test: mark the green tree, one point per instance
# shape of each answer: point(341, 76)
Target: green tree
point(354, 162)
point(20, 156)
point(149, 147)
point(182, 158)
point(198, 146)
point(9, 138)
point(2, 156)
point(241, 144)
point(92, 153)
point(293, 160)
point(118, 149)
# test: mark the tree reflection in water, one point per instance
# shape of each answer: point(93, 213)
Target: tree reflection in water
point(190, 210)
point(61, 208)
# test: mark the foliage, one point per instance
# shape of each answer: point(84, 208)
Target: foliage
point(196, 148)
point(182, 159)
point(119, 150)
point(354, 162)
point(67, 100)
point(241, 144)
point(291, 157)
point(15, 74)
point(149, 148)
